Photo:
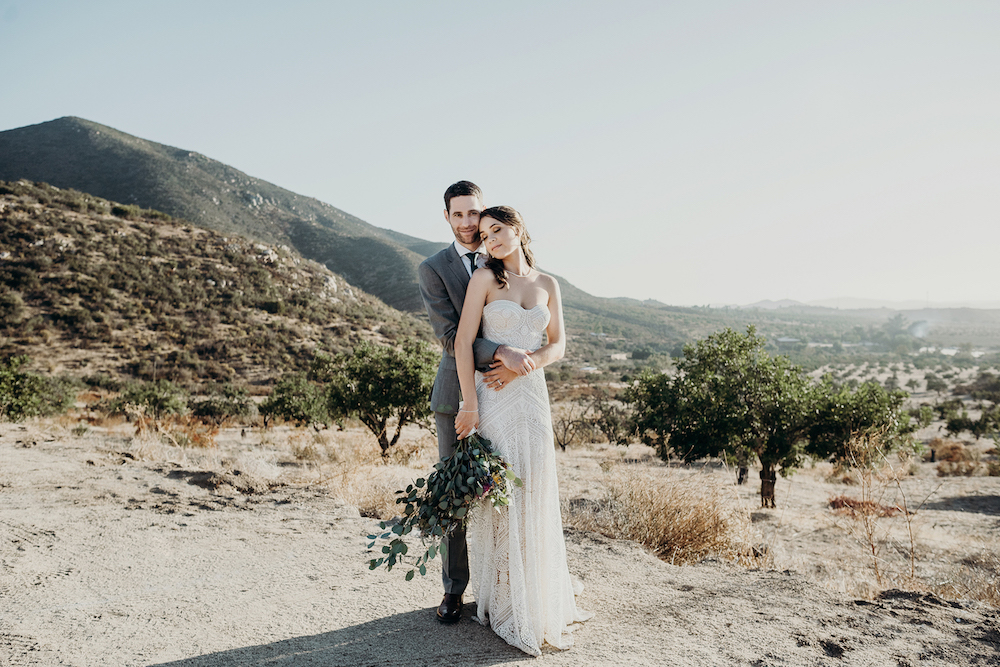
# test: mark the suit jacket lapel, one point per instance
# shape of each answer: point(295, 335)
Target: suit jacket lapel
point(458, 267)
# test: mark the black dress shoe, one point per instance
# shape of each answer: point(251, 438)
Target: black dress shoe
point(450, 610)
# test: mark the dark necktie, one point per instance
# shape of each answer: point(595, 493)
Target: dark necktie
point(472, 261)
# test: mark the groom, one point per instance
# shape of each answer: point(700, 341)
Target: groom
point(443, 281)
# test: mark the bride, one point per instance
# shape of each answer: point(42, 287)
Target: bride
point(520, 579)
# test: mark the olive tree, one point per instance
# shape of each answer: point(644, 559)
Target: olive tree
point(728, 396)
point(842, 413)
point(295, 398)
point(379, 385)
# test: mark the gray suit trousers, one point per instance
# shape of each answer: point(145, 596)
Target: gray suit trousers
point(455, 566)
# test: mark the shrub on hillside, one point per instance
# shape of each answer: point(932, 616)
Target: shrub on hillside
point(127, 211)
point(155, 399)
point(11, 308)
point(103, 381)
point(225, 402)
point(25, 394)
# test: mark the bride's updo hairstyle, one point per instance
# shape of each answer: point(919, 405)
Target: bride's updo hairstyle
point(505, 215)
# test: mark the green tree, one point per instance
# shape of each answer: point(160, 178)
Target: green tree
point(158, 399)
point(25, 394)
point(841, 413)
point(935, 384)
point(297, 399)
point(225, 401)
point(380, 384)
point(610, 416)
point(728, 396)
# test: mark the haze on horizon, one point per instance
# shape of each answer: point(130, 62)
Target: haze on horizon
point(716, 152)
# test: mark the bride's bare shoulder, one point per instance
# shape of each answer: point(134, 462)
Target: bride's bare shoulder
point(548, 283)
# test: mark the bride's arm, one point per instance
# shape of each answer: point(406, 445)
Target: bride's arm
point(465, 337)
point(556, 331)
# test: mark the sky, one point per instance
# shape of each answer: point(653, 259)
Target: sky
point(690, 152)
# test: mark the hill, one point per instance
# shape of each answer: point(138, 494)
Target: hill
point(75, 153)
point(86, 156)
point(89, 286)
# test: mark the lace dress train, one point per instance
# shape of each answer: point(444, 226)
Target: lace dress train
point(520, 580)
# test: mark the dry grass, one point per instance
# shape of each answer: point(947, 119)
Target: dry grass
point(978, 578)
point(681, 518)
point(841, 474)
point(355, 472)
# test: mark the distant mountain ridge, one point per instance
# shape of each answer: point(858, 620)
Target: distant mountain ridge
point(75, 153)
point(86, 156)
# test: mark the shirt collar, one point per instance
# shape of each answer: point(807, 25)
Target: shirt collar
point(463, 251)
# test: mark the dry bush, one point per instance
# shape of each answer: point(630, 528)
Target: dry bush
point(956, 460)
point(104, 420)
point(849, 506)
point(867, 457)
point(178, 431)
point(957, 468)
point(951, 451)
point(682, 519)
point(90, 397)
point(189, 431)
point(308, 446)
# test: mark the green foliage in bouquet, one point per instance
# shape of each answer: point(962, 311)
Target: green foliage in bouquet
point(437, 505)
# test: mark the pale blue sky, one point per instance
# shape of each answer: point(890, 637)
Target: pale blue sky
point(696, 152)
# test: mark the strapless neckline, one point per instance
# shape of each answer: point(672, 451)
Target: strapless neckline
point(515, 303)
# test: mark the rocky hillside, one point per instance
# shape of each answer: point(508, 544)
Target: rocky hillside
point(90, 286)
point(89, 157)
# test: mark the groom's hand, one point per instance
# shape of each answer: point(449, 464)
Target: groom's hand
point(515, 359)
point(499, 376)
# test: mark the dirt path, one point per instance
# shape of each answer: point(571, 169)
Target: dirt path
point(108, 561)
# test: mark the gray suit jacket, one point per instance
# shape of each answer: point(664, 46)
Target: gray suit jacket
point(443, 281)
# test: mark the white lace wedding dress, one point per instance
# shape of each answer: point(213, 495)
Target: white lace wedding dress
point(517, 555)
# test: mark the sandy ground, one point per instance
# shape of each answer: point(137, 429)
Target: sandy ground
point(110, 560)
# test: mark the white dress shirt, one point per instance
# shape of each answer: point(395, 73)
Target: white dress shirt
point(463, 251)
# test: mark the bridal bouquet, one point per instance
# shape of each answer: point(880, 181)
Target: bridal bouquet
point(437, 505)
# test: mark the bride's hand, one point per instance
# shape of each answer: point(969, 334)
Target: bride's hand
point(499, 376)
point(465, 422)
point(515, 359)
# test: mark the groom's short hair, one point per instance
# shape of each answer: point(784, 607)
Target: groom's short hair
point(461, 189)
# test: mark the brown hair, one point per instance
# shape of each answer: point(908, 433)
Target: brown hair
point(505, 215)
point(461, 189)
